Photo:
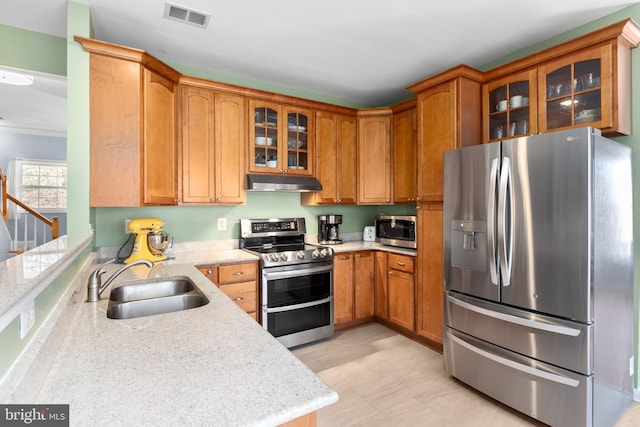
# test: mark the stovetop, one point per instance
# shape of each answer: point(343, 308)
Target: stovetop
point(280, 242)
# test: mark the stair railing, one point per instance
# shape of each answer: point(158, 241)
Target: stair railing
point(21, 241)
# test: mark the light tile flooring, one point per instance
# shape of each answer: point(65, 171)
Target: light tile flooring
point(385, 379)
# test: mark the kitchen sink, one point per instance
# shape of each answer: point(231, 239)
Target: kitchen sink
point(156, 297)
point(146, 290)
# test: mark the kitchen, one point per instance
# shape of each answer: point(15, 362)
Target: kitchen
point(107, 221)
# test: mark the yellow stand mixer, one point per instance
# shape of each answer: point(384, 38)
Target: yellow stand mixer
point(150, 242)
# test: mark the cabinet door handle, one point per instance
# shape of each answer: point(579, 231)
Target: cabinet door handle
point(238, 299)
point(238, 273)
point(390, 273)
point(401, 264)
point(209, 271)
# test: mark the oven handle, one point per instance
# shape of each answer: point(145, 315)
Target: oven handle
point(296, 273)
point(299, 306)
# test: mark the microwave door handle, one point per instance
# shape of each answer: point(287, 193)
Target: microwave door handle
point(491, 221)
point(505, 221)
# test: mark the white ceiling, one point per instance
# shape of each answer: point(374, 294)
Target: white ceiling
point(362, 51)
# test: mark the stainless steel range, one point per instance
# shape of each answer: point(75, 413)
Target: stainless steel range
point(296, 279)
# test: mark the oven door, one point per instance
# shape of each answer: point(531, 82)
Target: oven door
point(297, 302)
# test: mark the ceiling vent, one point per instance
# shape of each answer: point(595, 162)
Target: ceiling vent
point(188, 16)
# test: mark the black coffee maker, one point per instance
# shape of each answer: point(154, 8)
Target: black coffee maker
point(328, 229)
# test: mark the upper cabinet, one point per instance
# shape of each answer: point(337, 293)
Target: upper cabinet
point(336, 159)
point(374, 156)
point(583, 82)
point(510, 106)
point(448, 113)
point(133, 138)
point(213, 146)
point(280, 138)
point(404, 154)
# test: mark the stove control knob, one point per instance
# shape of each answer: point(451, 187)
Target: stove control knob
point(283, 256)
point(300, 255)
point(323, 252)
point(273, 257)
point(315, 254)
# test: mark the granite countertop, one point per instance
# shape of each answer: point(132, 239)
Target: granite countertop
point(364, 246)
point(209, 365)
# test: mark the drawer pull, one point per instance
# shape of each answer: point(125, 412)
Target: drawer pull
point(238, 273)
point(238, 299)
point(401, 264)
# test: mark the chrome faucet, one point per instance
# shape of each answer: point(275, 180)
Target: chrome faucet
point(95, 288)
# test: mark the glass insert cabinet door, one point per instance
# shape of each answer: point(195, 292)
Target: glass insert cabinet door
point(510, 104)
point(297, 141)
point(577, 92)
point(265, 138)
point(280, 138)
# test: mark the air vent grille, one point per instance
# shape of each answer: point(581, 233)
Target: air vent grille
point(188, 16)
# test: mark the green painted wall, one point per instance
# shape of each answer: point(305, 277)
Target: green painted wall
point(632, 141)
point(32, 51)
point(78, 23)
point(199, 223)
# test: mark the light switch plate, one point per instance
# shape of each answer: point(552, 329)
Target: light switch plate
point(27, 319)
point(222, 224)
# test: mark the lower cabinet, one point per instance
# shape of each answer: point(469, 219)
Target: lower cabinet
point(353, 287)
point(401, 290)
point(238, 281)
point(430, 289)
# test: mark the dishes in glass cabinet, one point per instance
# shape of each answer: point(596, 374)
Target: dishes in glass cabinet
point(297, 128)
point(588, 115)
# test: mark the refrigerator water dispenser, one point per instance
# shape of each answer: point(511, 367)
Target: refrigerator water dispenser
point(469, 244)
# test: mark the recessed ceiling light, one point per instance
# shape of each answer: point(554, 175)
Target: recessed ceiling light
point(188, 16)
point(18, 79)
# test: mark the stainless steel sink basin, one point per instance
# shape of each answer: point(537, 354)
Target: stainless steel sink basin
point(146, 290)
point(148, 298)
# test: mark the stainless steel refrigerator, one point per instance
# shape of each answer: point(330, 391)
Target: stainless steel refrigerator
point(538, 272)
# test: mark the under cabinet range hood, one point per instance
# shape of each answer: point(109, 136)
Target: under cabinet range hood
point(258, 182)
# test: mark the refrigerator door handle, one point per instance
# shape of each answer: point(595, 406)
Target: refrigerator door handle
point(505, 222)
point(491, 222)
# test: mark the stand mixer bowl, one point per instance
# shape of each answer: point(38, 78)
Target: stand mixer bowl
point(158, 242)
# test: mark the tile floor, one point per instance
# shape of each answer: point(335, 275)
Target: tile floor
point(386, 379)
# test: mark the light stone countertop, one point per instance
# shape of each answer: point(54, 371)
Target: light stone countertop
point(363, 246)
point(211, 365)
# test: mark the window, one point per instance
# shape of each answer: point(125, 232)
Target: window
point(40, 184)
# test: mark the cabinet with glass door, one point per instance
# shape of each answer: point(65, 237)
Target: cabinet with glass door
point(577, 91)
point(509, 104)
point(280, 138)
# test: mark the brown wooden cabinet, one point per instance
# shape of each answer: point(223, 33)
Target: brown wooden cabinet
point(336, 160)
point(353, 288)
point(401, 290)
point(448, 112)
point(238, 281)
point(374, 156)
point(213, 146)
point(404, 156)
point(430, 285)
point(343, 288)
point(364, 285)
point(281, 138)
point(585, 81)
point(509, 106)
point(133, 138)
point(381, 286)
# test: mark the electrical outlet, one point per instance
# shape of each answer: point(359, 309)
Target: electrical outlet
point(222, 224)
point(27, 319)
point(126, 226)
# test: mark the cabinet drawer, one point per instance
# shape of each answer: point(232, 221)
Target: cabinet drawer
point(401, 262)
point(234, 273)
point(243, 294)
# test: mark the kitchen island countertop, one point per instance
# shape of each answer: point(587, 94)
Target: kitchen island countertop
point(210, 365)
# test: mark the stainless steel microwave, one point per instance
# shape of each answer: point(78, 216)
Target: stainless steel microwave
point(396, 230)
